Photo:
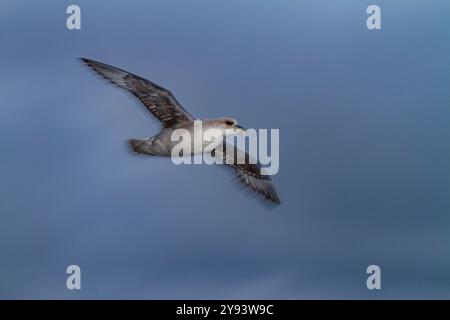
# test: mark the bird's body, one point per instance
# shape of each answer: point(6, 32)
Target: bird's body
point(163, 143)
point(163, 105)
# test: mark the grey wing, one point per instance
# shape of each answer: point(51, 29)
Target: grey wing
point(159, 101)
point(248, 173)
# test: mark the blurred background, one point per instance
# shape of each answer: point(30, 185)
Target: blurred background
point(364, 148)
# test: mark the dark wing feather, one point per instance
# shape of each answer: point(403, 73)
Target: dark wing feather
point(159, 101)
point(248, 173)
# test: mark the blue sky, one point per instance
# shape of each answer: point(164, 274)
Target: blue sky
point(364, 150)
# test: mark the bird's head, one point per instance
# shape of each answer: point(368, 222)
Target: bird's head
point(229, 126)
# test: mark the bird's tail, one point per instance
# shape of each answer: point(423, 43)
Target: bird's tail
point(143, 146)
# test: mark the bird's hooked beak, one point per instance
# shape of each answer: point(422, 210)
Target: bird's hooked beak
point(240, 130)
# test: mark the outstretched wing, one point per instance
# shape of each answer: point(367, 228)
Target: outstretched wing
point(248, 173)
point(159, 101)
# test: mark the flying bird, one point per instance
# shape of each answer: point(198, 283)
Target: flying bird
point(164, 107)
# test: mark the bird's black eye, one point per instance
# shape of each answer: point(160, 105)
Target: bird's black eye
point(229, 123)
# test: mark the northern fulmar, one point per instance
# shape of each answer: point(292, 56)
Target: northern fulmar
point(163, 105)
